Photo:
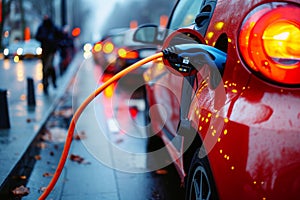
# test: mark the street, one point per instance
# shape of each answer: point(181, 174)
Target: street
point(108, 160)
point(154, 100)
point(94, 169)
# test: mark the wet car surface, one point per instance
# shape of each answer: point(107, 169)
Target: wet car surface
point(236, 120)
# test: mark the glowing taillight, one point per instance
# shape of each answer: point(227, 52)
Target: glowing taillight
point(108, 47)
point(127, 54)
point(97, 47)
point(109, 91)
point(282, 42)
point(269, 42)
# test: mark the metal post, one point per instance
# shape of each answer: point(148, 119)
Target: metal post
point(4, 118)
point(63, 12)
point(30, 92)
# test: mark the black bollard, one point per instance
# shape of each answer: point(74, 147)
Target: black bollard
point(30, 92)
point(4, 118)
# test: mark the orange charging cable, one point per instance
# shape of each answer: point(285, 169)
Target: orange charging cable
point(79, 111)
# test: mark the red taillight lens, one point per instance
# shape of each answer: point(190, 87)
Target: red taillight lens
point(97, 47)
point(128, 54)
point(269, 42)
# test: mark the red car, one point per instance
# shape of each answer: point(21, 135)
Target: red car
point(234, 134)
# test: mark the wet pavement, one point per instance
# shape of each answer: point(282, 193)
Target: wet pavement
point(26, 121)
point(95, 168)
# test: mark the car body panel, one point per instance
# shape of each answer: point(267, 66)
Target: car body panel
point(248, 125)
point(31, 49)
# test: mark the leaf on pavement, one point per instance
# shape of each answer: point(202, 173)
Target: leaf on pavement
point(37, 157)
point(29, 120)
point(47, 174)
point(78, 159)
point(42, 145)
point(21, 191)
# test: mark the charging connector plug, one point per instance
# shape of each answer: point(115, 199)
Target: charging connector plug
point(188, 59)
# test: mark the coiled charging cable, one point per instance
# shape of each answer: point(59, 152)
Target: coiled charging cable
point(79, 111)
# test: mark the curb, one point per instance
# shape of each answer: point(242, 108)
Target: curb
point(24, 165)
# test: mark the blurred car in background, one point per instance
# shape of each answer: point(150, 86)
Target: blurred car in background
point(11, 50)
point(23, 49)
point(117, 50)
point(31, 49)
point(105, 51)
point(231, 127)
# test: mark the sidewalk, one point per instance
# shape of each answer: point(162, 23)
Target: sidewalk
point(83, 177)
point(26, 124)
point(96, 168)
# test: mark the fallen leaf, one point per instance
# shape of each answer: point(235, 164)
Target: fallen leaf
point(47, 174)
point(42, 145)
point(21, 191)
point(37, 157)
point(29, 120)
point(76, 158)
point(46, 136)
point(79, 159)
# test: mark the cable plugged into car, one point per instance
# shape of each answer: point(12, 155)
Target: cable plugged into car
point(186, 59)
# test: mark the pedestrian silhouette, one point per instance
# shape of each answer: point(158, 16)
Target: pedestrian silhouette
point(49, 37)
point(66, 49)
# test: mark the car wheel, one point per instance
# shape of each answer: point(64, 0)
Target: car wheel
point(200, 184)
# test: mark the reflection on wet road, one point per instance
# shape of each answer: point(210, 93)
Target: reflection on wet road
point(110, 161)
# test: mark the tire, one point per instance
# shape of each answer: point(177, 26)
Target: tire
point(200, 184)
